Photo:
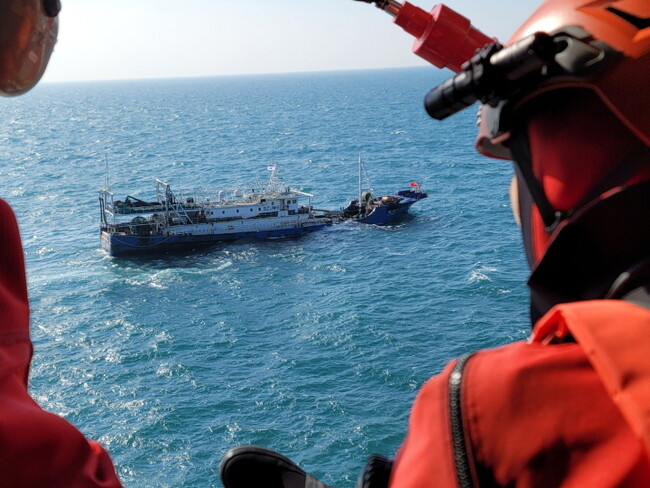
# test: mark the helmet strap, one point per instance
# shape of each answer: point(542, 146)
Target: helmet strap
point(620, 174)
point(599, 252)
point(520, 148)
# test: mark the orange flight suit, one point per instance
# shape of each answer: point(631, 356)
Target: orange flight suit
point(37, 448)
point(542, 414)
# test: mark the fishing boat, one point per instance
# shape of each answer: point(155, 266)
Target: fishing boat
point(192, 219)
point(381, 210)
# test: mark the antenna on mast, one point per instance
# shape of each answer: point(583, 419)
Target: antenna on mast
point(106, 175)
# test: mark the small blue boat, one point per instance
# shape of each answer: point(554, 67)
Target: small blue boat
point(187, 220)
point(381, 210)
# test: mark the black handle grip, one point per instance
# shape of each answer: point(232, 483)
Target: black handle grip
point(491, 75)
point(453, 95)
point(465, 88)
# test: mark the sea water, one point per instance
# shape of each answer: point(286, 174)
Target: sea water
point(314, 346)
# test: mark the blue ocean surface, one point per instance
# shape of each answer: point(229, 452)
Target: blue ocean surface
point(314, 346)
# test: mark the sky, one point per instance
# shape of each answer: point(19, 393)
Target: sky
point(143, 39)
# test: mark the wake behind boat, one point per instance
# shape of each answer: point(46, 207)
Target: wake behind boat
point(186, 220)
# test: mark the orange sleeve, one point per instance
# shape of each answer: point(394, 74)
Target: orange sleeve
point(37, 448)
point(618, 349)
point(534, 416)
point(426, 457)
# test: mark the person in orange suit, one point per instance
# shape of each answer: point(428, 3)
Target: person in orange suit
point(37, 448)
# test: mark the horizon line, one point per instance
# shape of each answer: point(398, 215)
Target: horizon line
point(232, 75)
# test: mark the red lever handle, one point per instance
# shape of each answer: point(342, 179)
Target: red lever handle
point(443, 37)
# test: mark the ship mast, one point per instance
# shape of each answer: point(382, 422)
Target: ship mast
point(359, 195)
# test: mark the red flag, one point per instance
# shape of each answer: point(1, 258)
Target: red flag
point(414, 184)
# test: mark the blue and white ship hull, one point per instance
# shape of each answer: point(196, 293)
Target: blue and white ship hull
point(171, 222)
point(385, 215)
point(383, 210)
point(125, 245)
